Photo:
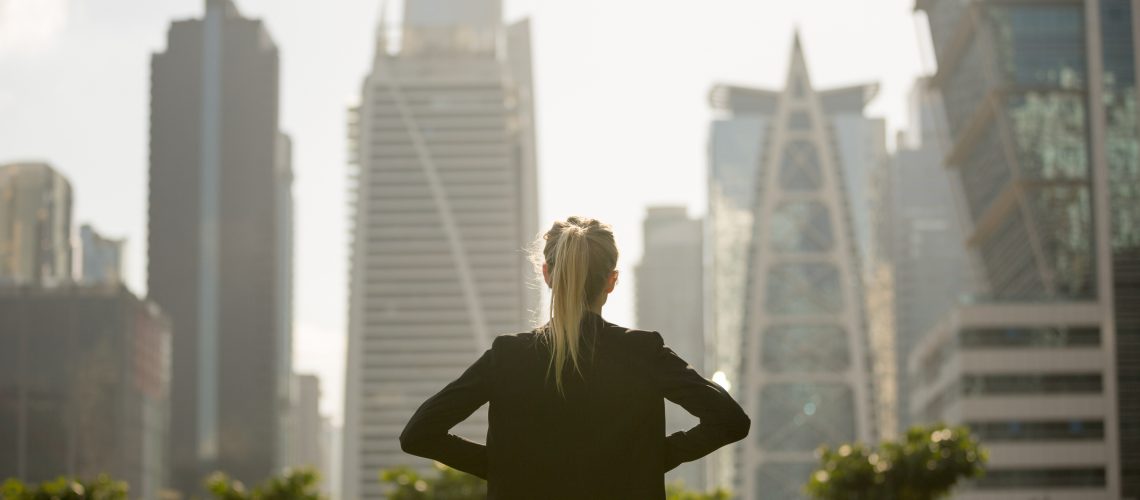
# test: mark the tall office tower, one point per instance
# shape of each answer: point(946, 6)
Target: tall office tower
point(101, 259)
point(1040, 100)
point(445, 202)
point(307, 445)
point(804, 361)
point(84, 386)
point(35, 225)
point(668, 301)
point(919, 238)
point(220, 244)
point(736, 140)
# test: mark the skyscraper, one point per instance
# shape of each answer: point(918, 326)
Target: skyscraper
point(1040, 100)
point(445, 203)
point(307, 443)
point(919, 237)
point(101, 258)
point(669, 301)
point(35, 225)
point(804, 360)
point(220, 243)
point(736, 140)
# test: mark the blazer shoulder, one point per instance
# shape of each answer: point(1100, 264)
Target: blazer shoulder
point(513, 341)
point(641, 339)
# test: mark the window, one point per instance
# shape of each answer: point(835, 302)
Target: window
point(803, 226)
point(783, 481)
point(982, 385)
point(804, 288)
point(802, 416)
point(800, 169)
point(1044, 430)
point(996, 479)
point(799, 120)
point(979, 338)
point(800, 348)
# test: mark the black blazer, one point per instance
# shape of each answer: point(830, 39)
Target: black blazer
point(604, 439)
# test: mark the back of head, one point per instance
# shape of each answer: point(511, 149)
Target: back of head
point(580, 256)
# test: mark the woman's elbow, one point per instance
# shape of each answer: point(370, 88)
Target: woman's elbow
point(411, 444)
point(739, 428)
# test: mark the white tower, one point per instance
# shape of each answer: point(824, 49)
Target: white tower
point(445, 202)
point(804, 363)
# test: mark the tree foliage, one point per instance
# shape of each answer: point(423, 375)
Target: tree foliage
point(676, 491)
point(300, 484)
point(450, 484)
point(924, 465)
point(64, 488)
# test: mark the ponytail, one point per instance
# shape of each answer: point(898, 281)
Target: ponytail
point(567, 301)
point(580, 255)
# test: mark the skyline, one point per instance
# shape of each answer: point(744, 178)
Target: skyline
point(108, 50)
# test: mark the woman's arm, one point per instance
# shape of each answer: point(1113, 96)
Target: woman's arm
point(722, 419)
point(426, 434)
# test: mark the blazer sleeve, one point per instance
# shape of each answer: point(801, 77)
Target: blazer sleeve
point(722, 420)
point(426, 434)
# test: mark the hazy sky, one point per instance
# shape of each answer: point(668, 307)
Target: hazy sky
point(622, 110)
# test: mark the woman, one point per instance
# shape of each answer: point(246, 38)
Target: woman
point(577, 407)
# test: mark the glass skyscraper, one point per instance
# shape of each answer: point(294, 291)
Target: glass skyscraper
point(803, 367)
point(1040, 103)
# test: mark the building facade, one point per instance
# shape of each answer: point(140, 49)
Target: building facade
point(219, 244)
point(805, 374)
point(307, 441)
point(918, 227)
point(1040, 100)
point(1028, 379)
point(35, 225)
point(84, 386)
point(445, 202)
point(668, 302)
point(101, 258)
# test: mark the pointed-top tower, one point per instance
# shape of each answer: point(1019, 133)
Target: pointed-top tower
point(804, 369)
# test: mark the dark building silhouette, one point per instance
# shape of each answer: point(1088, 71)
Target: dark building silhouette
point(219, 243)
point(84, 385)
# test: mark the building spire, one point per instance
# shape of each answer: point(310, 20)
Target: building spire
point(798, 79)
point(382, 31)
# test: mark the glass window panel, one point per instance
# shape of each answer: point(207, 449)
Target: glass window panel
point(1000, 479)
point(1040, 45)
point(1078, 383)
point(1046, 430)
point(976, 338)
point(805, 348)
point(799, 120)
point(804, 288)
point(783, 481)
point(800, 169)
point(803, 226)
point(1049, 134)
point(803, 416)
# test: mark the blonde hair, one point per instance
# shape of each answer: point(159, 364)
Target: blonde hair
point(580, 256)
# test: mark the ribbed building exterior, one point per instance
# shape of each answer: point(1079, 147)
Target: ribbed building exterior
point(220, 245)
point(445, 203)
point(35, 225)
point(804, 369)
point(1040, 102)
